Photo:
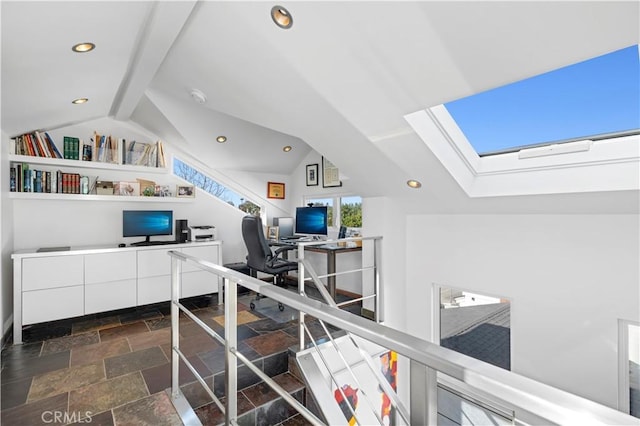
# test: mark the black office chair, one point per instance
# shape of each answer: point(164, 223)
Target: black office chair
point(261, 258)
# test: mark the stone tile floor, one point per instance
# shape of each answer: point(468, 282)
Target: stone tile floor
point(113, 368)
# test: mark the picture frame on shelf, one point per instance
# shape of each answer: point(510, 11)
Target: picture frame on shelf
point(127, 189)
point(273, 232)
point(162, 191)
point(185, 191)
point(312, 174)
point(275, 190)
point(330, 174)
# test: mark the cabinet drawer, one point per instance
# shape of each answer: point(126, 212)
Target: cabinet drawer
point(209, 253)
point(108, 296)
point(197, 283)
point(154, 263)
point(51, 272)
point(52, 304)
point(107, 267)
point(154, 289)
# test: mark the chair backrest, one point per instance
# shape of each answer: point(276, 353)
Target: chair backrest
point(257, 247)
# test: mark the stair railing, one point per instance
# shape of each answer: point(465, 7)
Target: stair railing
point(304, 268)
point(532, 402)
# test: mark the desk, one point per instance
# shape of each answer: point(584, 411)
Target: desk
point(330, 250)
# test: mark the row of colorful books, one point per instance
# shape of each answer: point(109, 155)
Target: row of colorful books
point(35, 144)
point(101, 148)
point(24, 179)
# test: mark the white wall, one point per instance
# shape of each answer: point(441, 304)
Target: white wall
point(569, 277)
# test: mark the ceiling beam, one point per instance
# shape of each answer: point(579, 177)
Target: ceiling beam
point(162, 27)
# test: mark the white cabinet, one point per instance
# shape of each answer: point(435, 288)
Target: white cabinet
point(56, 285)
point(53, 288)
point(52, 272)
point(52, 304)
point(154, 276)
point(195, 281)
point(110, 281)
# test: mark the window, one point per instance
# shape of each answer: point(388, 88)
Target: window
point(476, 325)
point(599, 96)
point(351, 212)
point(208, 184)
point(629, 356)
point(343, 211)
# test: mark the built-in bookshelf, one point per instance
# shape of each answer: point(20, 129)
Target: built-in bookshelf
point(39, 170)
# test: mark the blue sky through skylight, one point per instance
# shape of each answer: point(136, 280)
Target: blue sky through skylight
point(600, 95)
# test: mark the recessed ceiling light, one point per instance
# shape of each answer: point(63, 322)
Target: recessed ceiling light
point(83, 47)
point(414, 184)
point(80, 101)
point(221, 139)
point(287, 148)
point(281, 17)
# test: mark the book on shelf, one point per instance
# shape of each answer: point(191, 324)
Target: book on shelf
point(23, 178)
point(106, 149)
point(145, 154)
point(34, 144)
point(12, 179)
point(52, 146)
point(71, 148)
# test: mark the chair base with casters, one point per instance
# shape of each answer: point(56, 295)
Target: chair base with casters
point(277, 280)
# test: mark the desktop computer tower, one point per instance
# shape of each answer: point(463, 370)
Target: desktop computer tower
point(183, 233)
point(285, 226)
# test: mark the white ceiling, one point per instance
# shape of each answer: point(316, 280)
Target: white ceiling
point(339, 81)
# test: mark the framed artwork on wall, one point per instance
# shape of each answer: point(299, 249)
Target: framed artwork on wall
point(275, 190)
point(330, 174)
point(312, 174)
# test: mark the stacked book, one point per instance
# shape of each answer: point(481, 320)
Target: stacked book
point(24, 179)
point(35, 144)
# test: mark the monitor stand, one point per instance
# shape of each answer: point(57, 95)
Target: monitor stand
point(146, 242)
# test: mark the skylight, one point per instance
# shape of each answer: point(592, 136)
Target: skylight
point(600, 96)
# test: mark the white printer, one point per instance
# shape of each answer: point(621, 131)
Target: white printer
point(203, 233)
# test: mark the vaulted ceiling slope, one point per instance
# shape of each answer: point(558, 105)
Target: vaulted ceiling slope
point(340, 80)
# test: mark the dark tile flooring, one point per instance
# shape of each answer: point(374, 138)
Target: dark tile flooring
point(113, 368)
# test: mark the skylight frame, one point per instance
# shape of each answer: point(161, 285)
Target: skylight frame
point(595, 163)
point(594, 99)
point(608, 165)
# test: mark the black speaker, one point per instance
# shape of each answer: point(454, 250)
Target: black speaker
point(343, 232)
point(182, 231)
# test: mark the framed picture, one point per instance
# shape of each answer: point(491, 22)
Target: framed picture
point(162, 191)
point(312, 174)
point(185, 191)
point(128, 189)
point(275, 190)
point(330, 174)
point(272, 232)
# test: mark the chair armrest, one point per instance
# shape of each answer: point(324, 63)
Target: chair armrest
point(283, 249)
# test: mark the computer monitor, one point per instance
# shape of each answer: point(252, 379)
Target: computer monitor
point(311, 220)
point(146, 223)
point(285, 225)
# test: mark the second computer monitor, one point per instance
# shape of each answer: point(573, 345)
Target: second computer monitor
point(285, 226)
